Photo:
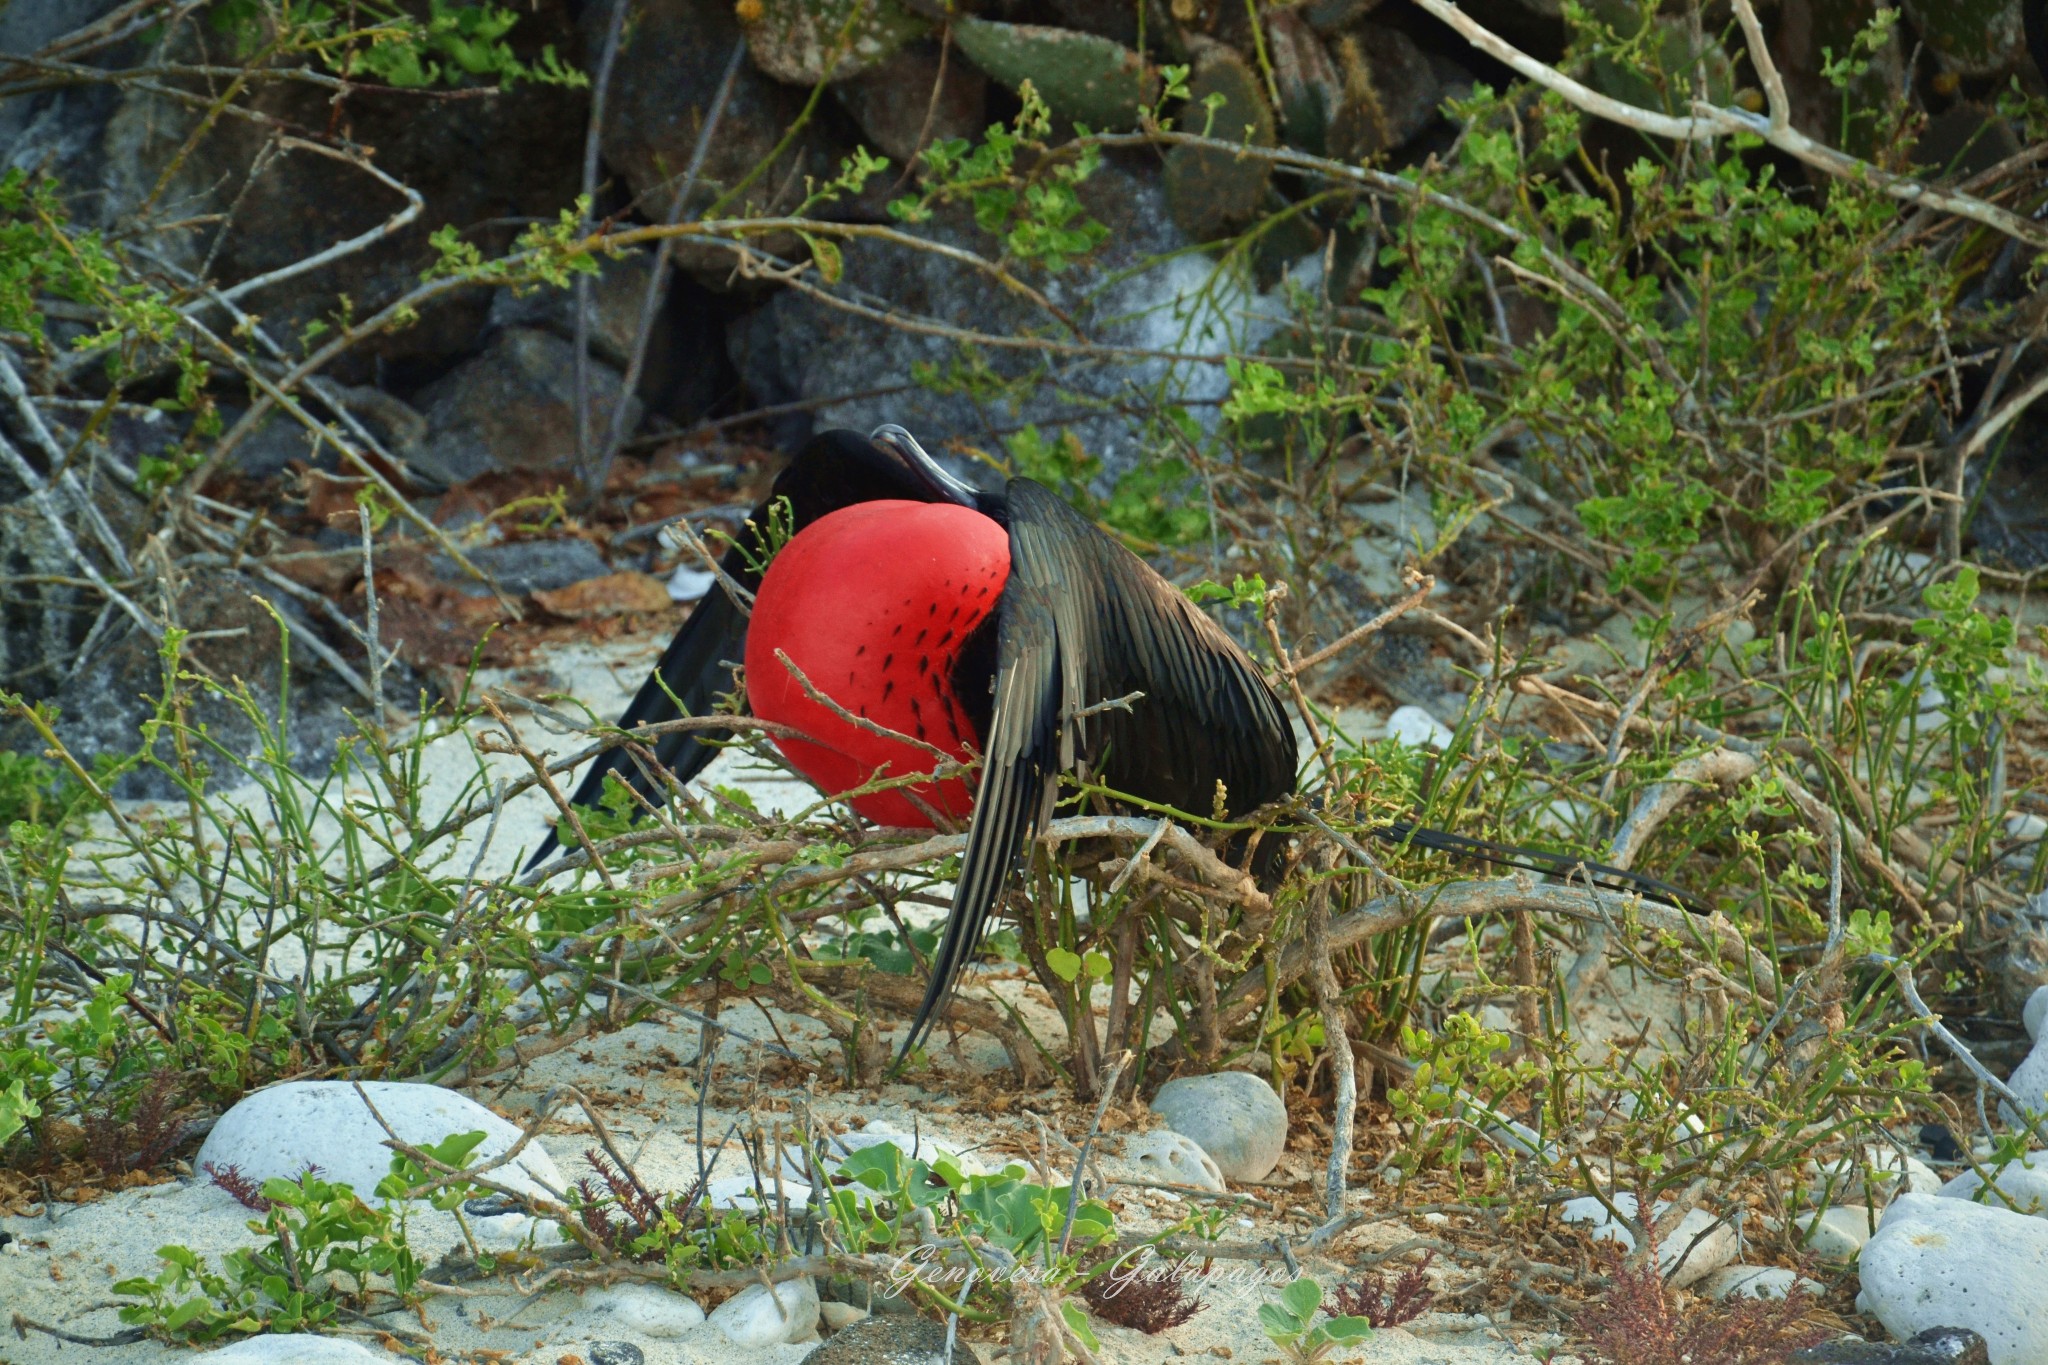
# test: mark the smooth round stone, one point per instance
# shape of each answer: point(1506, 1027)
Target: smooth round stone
point(279, 1132)
point(1836, 1234)
point(2024, 1182)
point(1232, 1115)
point(2035, 1013)
point(838, 1316)
point(616, 1353)
point(296, 1348)
point(1173, 1159)
point(752, 1318)
point(1950, 1263)
point(645, 1309)
point(1700, 1245)
point(1754, 1282)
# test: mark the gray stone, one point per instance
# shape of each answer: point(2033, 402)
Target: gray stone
point(753, 1318)
point(528, 565)
point(104, 704)
point(512, 407)
point(1232, 1115)
point(664, 82)
point(1700, 1245)
point(890, 102)
point(2029, 1081)
point(1754, 1282)
point(296, 1348)
point(279, 1132)
point(646, 1309)
point(1838, 1233)
point(1123, 293)
point(616, 1353)
point(618, 293)
point(1170, 1158)
point(1935, 1346)
point(2024, 1182)
point(893, 1340)
point(1950, 1263)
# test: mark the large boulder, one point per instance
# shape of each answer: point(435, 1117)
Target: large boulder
point(1130, 292)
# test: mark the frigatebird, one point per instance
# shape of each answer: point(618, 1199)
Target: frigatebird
point(907, 604)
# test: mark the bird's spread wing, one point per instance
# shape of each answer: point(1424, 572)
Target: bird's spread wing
point(1085, 621)
point(1019, 763)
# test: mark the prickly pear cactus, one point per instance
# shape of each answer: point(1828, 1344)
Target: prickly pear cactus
point(793, 40)
point(1210, 193)
point(1082, 78)
point(1977, 37)
point(1673, 82)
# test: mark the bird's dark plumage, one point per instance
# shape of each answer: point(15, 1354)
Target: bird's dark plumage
point(1080, 621)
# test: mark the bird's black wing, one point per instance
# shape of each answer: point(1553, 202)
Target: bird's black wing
point(1020, 761)
point(696, 668)
point(1084, 621)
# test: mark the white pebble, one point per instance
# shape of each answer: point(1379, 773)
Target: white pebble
point(1174, 1159)
point(1754, 1282)
point(1695, 1249)
point(2024, 1182)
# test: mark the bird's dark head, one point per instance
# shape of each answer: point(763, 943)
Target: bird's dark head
point(840, 468)
point(900, 445)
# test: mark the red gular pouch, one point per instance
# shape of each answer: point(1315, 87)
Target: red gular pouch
point(875, 603)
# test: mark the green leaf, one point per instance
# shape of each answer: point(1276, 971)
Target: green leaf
point(1077, 1322)
point(1065, 965)
point(1348, 1329)
point(1097, 964)
point(1302, 1298)
point(1278, 1323)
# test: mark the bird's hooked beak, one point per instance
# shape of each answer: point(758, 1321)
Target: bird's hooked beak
point(893, 438)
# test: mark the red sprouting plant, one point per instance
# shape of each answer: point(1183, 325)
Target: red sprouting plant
point(247, 1192)
point(641, 1208)
point(1371, 1298)
point(148, 1135)
point(1149, 1299)
point(1636, 1324)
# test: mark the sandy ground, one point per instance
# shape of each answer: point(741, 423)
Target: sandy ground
point(643, 1081)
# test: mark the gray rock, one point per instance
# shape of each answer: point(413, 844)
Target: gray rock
point(1232, 1115)
point(528, 565)
point(796, 348)
point(753, 1318)
point(103, 705)
point(2035, 1012)
point(890, 102)
point(279, 1132)
point(490, 162)
point(1754, 1282)
point(646, 1309)
point(618, 292)
point(1950, 1263)
point(1838, 1233)
point(2029, 1081)
point(893, 1341)
point(616, 1353)
point(1700, 1245)
point(1391, 91)
point(2023, 1181)
point(1170, 1158)
point(1935, 1346)
point(663, 84)
point(296, 1348)
point(512, 407)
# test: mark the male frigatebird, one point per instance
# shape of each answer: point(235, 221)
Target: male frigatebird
point(980, 623)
